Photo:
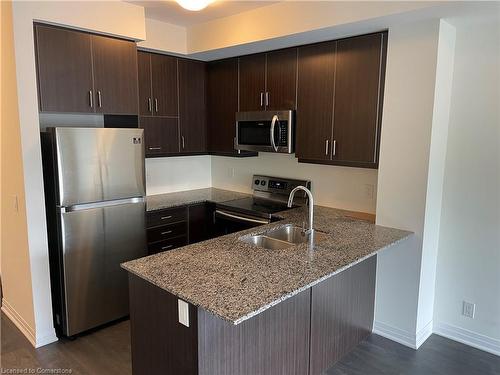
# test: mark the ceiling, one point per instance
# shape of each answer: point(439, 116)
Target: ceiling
point(171, 12)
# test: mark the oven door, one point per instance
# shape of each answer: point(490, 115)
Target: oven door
point(227, 222)
point(265, 131)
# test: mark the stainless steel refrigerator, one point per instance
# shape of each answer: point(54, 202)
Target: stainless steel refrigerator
point(94, 189)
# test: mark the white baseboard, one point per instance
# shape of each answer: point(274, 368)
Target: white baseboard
point(403, 337)
point(476, 340)
point(28, 331)
point(19, 322)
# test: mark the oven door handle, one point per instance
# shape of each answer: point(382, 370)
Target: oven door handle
point(273, 123)
point(240, 218)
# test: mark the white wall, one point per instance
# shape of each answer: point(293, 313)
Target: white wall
point(340, 187)
point(469, 248)
point(162, 37)
point(403, 170)
point(113, 18)
point(166, 175)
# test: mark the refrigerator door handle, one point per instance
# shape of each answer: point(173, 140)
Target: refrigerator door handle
point(86, 206)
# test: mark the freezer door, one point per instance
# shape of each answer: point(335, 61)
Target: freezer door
point(94, 243)
point(98, 164)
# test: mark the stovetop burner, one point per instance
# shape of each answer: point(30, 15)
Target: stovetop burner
point(254, 206)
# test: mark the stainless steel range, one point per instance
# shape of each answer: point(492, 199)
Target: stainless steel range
point(270, 195)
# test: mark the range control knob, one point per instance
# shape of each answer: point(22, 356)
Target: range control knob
point(257, 182)
point(263, 182)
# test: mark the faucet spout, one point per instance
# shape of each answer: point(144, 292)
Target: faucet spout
point(311, 205)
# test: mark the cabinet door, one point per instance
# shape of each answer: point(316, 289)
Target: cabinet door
point(165, 85)
point(115, 75)
point(281, 79)
point(358, 98)
point(315, 101)
point(161, 135)
point(145, 93)
point(200, 222)
point(192, 105)
point(252, 82)
point(64, 63)
point(222, 104)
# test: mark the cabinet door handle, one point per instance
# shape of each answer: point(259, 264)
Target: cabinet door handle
point(183, 143)
point(154, 148)
point(156, 105)
point(99, 99)
point(166, 232)
point(326, 146)
point(267, 99)
point(261, 99)
point(166, 217)
point(150, 109)
point(334, 147)
point(91, 99)
point(166, 247)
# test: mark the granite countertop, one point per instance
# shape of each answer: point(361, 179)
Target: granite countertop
point(235, 281)
point(181, 198)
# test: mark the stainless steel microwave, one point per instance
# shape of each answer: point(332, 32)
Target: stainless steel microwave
point(267, 131)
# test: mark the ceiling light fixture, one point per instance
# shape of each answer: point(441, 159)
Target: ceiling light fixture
point(194, 5)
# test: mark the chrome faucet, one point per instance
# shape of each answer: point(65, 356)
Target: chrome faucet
point(311, 205)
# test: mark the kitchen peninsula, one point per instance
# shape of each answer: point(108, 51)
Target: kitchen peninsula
point(252, 310)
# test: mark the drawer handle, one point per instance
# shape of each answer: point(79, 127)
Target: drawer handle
point(166, 247)
point(155, 148)
point(167, 232)
point(166, 217)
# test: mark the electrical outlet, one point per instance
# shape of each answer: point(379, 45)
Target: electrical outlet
point(183, 312)
point(468, 309)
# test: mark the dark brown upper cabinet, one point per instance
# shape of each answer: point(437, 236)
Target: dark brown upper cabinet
point(268, 80)
point(358, 98)
point(316, 83)
point(161, 135)
point(114, 64)
point(158, 91)
point(192, 106)
point(64, 62)
point(222, 104)
point(252, 82)
point(339, 109)
point(281, 85)
point(85, 73)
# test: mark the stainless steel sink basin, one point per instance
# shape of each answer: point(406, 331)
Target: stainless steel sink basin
point(267, 242)
point(283, 237)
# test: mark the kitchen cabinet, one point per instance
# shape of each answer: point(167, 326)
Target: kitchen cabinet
point(114, 64)
point(192, 106)
point(222, 105)
point(340, 94)
point(201, 222)
point(167, 229)
point(268, 80)
point(64, 63)
point(85, 73)
point(315, 101)
point(161, 135)
point(358, 98)
point(158, 92)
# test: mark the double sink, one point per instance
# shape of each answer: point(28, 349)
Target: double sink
point(284, 237)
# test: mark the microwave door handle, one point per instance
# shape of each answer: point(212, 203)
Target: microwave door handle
point(273, 123)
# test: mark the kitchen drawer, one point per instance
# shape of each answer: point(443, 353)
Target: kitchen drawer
point(163, 217)
point(170, 244)
point(167, 231)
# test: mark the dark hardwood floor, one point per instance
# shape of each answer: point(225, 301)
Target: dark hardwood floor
point(107, 351)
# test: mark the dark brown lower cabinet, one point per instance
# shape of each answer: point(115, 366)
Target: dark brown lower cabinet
point(201, 222)
point(305, 334)
point(161, 135)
